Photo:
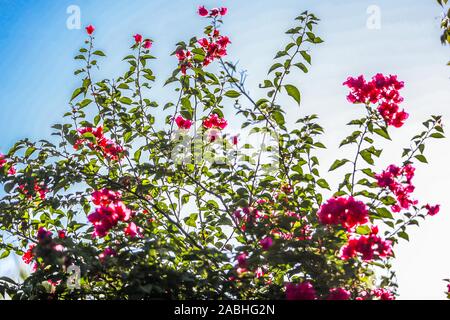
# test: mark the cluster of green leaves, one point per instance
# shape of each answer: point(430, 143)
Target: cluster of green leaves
point(445, 23)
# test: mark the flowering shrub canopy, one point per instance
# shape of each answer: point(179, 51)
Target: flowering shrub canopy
point(179, 207)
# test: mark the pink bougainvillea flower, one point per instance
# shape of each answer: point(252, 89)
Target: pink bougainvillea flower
point(2, 160)
point(433, 210)
point(184, 60)
point(202, 11)
point(300, 291)
point(90, 29)
point(259, 273)
point(266, 243)
point(203, 42)
point(28, 256)
point(147, 44)
point(108, 148)
point(242, 260)
point(338, 294)
point(383, 294)
point(213, 135)
point(223, 41)
point(399, 119)
point(38, 188)
point(346, 211)
point(109, 212)
point(213, 121)
point(43, 234)
point(248, 216)
point(399, 181)
point(214, 12)
point(214, 47)
point(41, 190)
point(132, 230)
point(54, 283)
point(364, 295)
point(108, 252)
point(104, 197)
point(183, 123)
point(218, 11)
point(241, 271)
point(62, 234)
point(369, 246)
point(122, 211)
point(181, 55)
point(12, 171)
point(383, 90)
point(138, 38)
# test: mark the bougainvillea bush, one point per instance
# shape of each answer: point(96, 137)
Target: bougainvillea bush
point(132, 199)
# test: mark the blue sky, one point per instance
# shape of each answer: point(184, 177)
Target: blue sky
point(37, 79)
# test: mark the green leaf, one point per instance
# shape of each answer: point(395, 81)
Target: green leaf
point(123, 86)
point(191, 220)
point(137, 155)
point(199, 58)
point(127, 136)
point(368, 172)
point(274, 67)
point(89, 135)
point(317, 40)
point(76, 93)
point(232, 94)
point(363, 230)
point(337, 164)
point(29, 151)
point(322, 183)
point(267, 84)
point(125, 100)
point(278, 117)
point(293, 92)
point(5, 254)
point(421, 158)
point(319, 145)
point(421, 148)
point(85, 103)
point(280, 54)
point(383, 133)
point(302, 67)
point(170, 80)
point(99, 53)
point(311, 36)
point(384, 213)
point(437, 135)
point(403, 235)
point(367, 156)
point(306, 56)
